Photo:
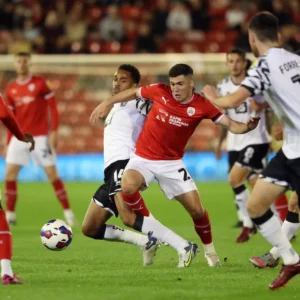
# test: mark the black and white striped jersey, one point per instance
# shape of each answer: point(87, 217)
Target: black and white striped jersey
point(277, 75)
point(237, 142)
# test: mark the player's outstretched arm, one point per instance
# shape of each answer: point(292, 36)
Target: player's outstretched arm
point(229, 101)
point(103, 108)
point(238, 127)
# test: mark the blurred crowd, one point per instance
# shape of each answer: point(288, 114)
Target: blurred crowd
point(137, 26)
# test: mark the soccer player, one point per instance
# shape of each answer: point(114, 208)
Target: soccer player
point(276, 74)
point(30, 98)
point(246, 152)
point(7, 274)
point(122, 128)
point(176, 112)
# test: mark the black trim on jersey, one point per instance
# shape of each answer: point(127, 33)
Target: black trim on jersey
point(219, 114)
point(250, 89)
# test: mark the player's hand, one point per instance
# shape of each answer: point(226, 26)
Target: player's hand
point(210, 93)
point(252, 122)
point(53, 140)
point(254, 106)
point(28, 138)
point(99, 112)
point(277, 131)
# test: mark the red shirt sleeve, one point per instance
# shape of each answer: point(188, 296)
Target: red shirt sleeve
point(11, 106)
point(9, 121)
point(151, 91)
point(212, 112)
point(51, 100)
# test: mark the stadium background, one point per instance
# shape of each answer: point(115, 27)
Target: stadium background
point(77, 46)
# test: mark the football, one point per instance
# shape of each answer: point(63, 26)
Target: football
point(56, 235)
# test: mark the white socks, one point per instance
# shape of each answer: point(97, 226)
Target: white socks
point(6, 268)
point(115, 233)
point(289, 229)
point(241, 201)
point(272, 232)
point(164, 234)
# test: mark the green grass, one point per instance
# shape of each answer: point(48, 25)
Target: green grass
point(92, 269)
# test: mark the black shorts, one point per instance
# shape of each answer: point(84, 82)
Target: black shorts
point(104, 196)
point(283, 171)
point(251, 157)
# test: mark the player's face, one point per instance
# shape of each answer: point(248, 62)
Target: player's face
point(252, 40)
point(236, 64)
point(182, 87)
point(22, 65)
point(122, 81)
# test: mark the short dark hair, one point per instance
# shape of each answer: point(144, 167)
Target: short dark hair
point(134, 72)
point(249, 64)
point(265, 26)
point(26, 54)
point(238, 51)
point(181, 69)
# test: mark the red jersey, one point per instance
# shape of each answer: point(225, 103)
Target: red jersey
point(170, 124)
point(8, 119)
point(30, 100)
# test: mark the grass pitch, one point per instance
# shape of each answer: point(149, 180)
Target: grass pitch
point(91, 269)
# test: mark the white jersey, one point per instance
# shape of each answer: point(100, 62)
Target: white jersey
point(237, 142)
point(278, 75)
point(122, 128)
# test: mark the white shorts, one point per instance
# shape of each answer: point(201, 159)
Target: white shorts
point(171, 175)
point(18, 152)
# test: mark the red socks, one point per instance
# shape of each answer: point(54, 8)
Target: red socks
point(281, 205)
point(10, 195)
point(136, 203)
point(5, 238)
point(202, 227)
point(61, 193)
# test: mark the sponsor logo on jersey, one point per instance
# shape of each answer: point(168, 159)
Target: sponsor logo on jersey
point(31, 87)
point(162, 116)
point(191, 111)
point(24, 100)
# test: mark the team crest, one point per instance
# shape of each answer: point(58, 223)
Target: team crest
point(31, 87)
point(191, 111)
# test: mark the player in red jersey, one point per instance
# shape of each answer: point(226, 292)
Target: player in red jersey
point(175, 114)
point(7, 274)
point(30, 98)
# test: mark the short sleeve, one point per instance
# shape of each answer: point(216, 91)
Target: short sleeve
point(257, 80)
point(150, 91)
point(46, 90)
point(212, 112)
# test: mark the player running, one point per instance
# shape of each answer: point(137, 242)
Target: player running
point(175, 114)
point(246, 152)
point(122, 128)
point(276, 74)
point(29, 97)
point(7, 274)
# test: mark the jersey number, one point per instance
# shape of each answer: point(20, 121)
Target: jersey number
point(248, 155)
point(242, 109)
point(296, 78)
point(185, 174)
point(118, 175)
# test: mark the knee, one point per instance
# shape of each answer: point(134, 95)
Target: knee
point(255, 210)
point(197, 212)
point(233, 180)
point(11, 174)
point(293, 203)
point(129, 186)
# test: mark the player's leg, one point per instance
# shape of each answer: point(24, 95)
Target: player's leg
point(276, 177)
point(7, 274)
point(17, 155)
point(232, 158)
point(136, 176)
point(192, 204)
point(61, 193)
point(237, 178)
point(289, 227)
